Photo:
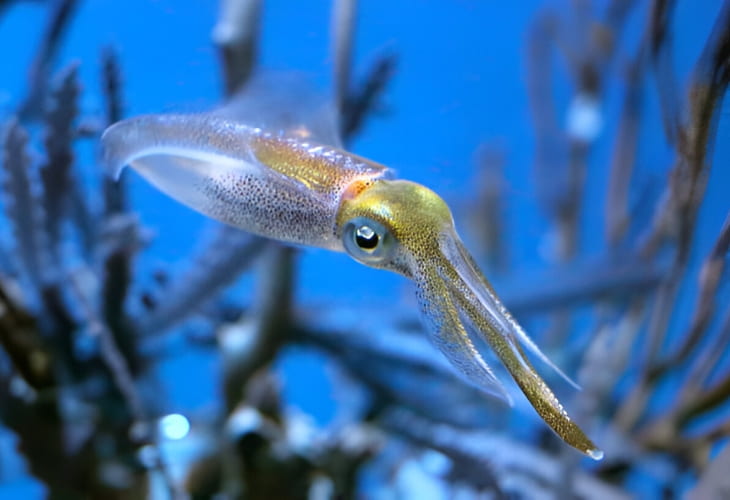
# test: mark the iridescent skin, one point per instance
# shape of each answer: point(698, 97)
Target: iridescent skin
point(456, 300)
point(288, 187)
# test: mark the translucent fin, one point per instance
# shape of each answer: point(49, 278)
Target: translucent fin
point(287, 104)
point(191, 142)
point(274, 186)
point(206, 162)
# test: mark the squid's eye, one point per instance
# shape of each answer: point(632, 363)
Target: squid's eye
point(367, 240)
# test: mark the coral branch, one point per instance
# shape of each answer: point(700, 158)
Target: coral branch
point(343, 31)
point(661, 56)
point(61, 15)
point(394, 365)
point(55, 173)
point(678, 212)
point(363, 101)
point(548, 137)
point(520, 468)
point(116, 274)
point(488, 215)
point(624, 155)
point(22, 206)
point(715, 481)
point(114, 199)
point(141, 431)
point(583, 282)
point(708, 360)
point(236, 34)
point(218, 263)
point(112, 356)
point(708, 282)
point(21, 341)
point(253, 343)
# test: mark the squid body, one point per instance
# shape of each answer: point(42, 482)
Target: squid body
point(271, 163)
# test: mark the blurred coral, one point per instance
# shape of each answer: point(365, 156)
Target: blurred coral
point(80, 339)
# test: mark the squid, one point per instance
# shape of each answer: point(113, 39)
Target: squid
point(270, 162)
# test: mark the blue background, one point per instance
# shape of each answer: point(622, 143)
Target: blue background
point(460, 83)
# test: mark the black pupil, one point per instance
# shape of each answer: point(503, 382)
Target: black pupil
point(366, 238)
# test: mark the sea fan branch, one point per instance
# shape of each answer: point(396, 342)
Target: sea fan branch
point(23, 206)
point(55, 173)
point(220, 262)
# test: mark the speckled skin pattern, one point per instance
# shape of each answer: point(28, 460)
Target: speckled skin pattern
point(302, 211)
point(280, 187)
point(458, 303)
point(290, 189)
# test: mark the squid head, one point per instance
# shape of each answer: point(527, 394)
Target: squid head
point(404, 227)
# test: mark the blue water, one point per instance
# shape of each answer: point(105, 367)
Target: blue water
point(460, 83)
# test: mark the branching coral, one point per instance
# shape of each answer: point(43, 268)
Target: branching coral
point(81, 341)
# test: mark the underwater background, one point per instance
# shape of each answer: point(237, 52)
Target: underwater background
point(147, 351)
